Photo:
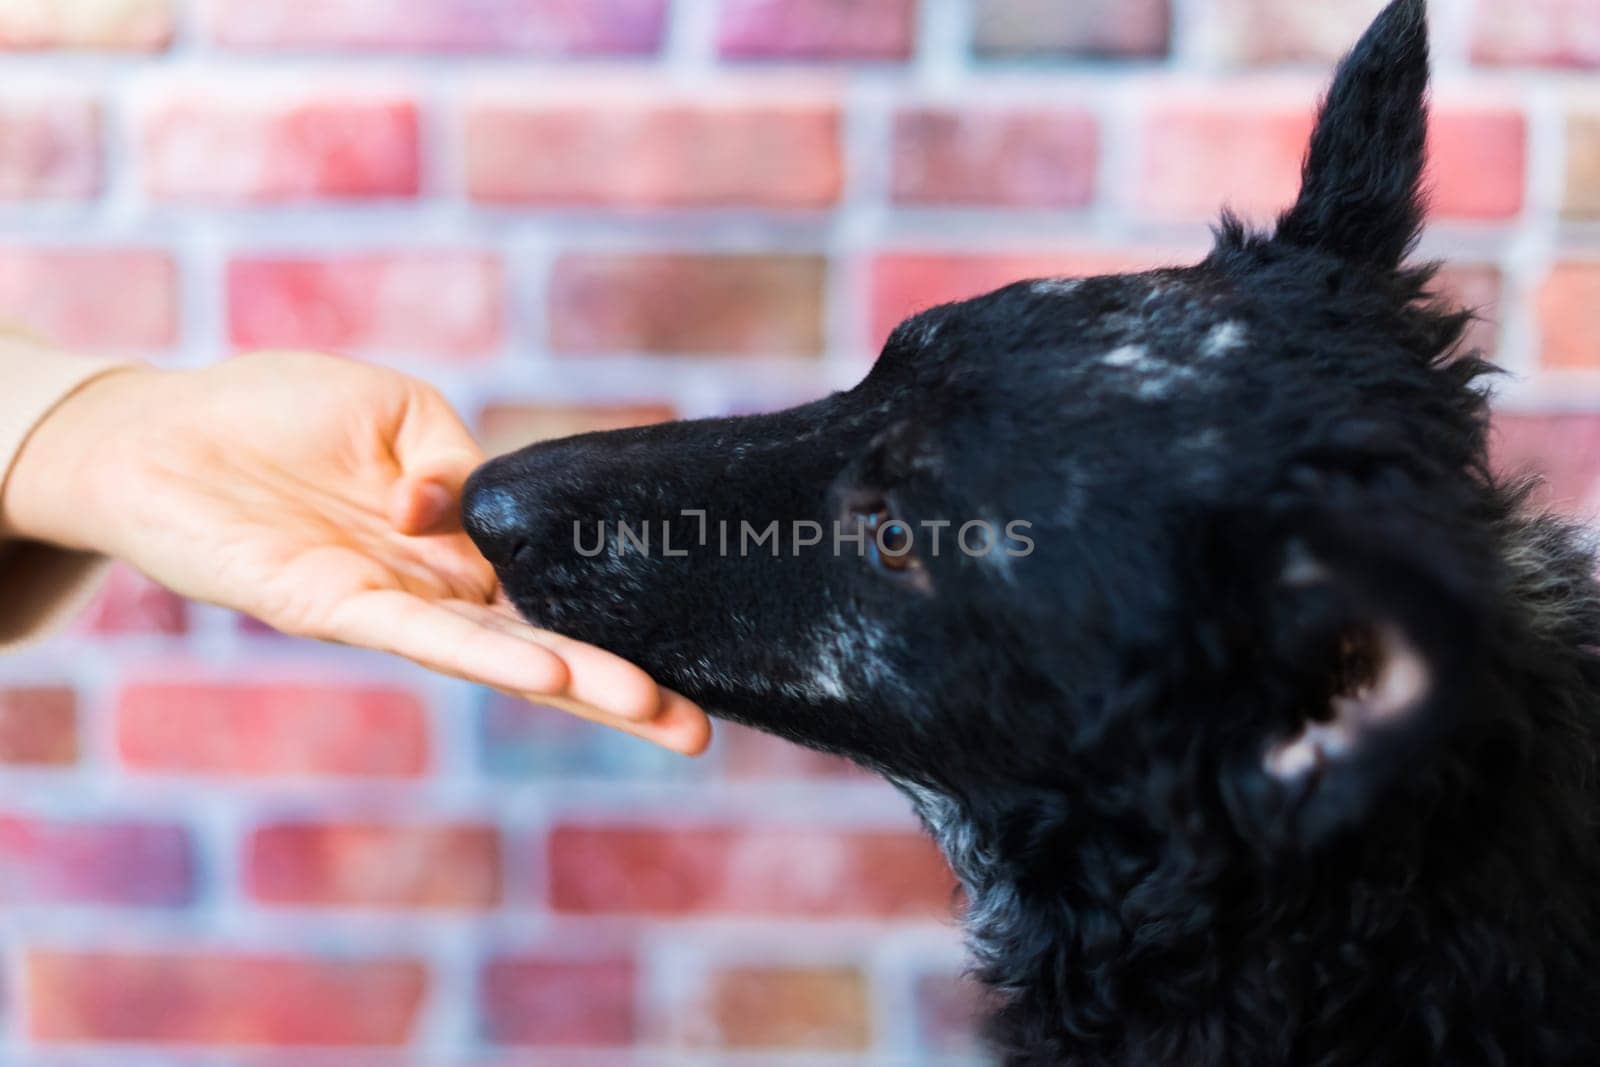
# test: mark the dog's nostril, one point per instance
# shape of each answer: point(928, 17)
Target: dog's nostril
point(495, 518)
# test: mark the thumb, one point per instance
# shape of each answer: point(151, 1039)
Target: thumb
point(436, 456)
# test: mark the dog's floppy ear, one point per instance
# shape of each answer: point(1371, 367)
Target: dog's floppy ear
point(1369, 647)
point(1360, 196)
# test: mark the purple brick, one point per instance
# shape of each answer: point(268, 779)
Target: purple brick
point(529, 27)
point(817, 29)
point(45, 862)
point(986, 157)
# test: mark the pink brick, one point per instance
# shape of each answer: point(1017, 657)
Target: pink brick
point(1272, 31)
point(506, 427)
point(995, 158)
point(446, 303)
point(905, 283)
point(1478, 163)
point(38, 726)
point(1563, 448)
point(747, 871)
point(1556, 33)
point(130, 603)
point(373, 865)
point(710, 304)
point(817, 29)
point(49, 148)
point(746, 753)
point(108, 25)
point(113, 299)
point(1569, 316)
point(266, 148)
point(526, 27)
point(527, 1000)
point(1063, 28)
point(632, 149)
point(44, 862)
point(262, 729)
point(1247, 155)
point(814, 1009)
point(221, 999)
point(1477, 288)
point(1199, 157)
point(949, 1011)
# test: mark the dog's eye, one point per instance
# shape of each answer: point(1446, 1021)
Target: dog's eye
point(890, 541)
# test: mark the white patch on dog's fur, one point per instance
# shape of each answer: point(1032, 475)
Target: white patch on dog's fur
point(989, 898)
point(1132, 357)
point(1222, 340)
point(1402, 681)
point(1056, 286)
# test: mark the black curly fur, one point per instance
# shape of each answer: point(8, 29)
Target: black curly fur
point(1256, 486)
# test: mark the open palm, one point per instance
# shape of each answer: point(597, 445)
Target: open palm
point(321, 496)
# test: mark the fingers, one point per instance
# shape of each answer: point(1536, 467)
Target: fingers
point(436, 455)
point(679, 726)
point(389, 620)
point(598, 678)
point(474, 642)
point(422, 506)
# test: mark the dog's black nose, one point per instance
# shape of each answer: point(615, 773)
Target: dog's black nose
point(495, 516)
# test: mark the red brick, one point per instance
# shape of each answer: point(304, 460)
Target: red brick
point(49, 148)
point(262, 729)
point(221, 999)
point(1272, 31)
point(814, 1009)
point(905, 283)
point(130, 603)
point(107, 25)
point(506, 427)
point(369, 865)
point(1247, 155)
point(1563, 448)
point(747, 871)
point(1583, 166)
point(1030, 158)
point(525, 27)
point(38, 726)
point(1556, 33)
point(1054, 28)
point(1569, 316)
point(264, 148)
point(116, 299)
point(817, 29)
point(46, 862)
point(746, 753)
point(557, 1002)
point(634, 150)
point(692, 304)
point(445, 303)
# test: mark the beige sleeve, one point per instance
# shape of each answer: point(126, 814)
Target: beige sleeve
point(41, 587)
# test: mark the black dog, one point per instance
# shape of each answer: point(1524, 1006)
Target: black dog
point(1259, 719)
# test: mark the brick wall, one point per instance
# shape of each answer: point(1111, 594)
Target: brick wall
point(214, 841)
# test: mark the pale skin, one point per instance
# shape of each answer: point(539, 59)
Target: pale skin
point(319, 495)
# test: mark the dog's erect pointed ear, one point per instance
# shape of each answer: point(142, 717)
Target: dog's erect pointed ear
point(1370, 649)
point(1360, 197)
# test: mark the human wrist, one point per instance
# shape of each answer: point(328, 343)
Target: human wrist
point(58, 483)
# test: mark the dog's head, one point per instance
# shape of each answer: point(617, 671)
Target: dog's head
point(1230, 520)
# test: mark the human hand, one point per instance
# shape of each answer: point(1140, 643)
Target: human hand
point(319, 495)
